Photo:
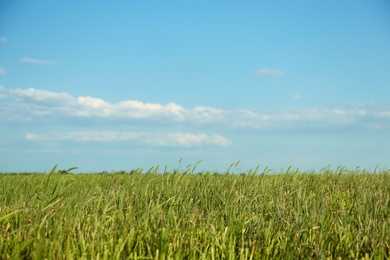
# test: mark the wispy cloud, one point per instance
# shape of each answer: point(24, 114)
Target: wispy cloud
point(37, 95)
point(34, 105)
point(2, 89)
point(3, 39)
point(2, 71)
point(153, 139)
point(270, 72)
point(297, 97)
point(383, 114)
point(37, 61)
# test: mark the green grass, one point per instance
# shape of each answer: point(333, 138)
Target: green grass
point(332, 214)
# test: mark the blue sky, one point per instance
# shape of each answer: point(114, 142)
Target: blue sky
point(117, 85)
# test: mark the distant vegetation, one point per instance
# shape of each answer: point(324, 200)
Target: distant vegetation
point(186, 215)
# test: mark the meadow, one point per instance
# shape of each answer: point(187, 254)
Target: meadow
point(330, 214)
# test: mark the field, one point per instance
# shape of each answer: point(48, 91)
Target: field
point(335, 214)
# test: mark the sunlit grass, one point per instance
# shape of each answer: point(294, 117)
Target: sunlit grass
point(184, 215)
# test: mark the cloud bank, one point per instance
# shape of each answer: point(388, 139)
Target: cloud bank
point(51, 117)
point(34, 105)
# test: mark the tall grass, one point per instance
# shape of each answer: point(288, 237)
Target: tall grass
point(343, 214)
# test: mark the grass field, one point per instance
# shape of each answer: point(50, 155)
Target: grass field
point(180, 215)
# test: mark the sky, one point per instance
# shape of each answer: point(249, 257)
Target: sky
point(120, 85)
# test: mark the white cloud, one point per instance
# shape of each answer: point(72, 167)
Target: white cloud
point(2, 88)
point(37, 61)
point(270, 72)
point(42, 95)
point(186, 139)
point(220, 140)
point(203, 115)
point(93, 107)
point(33, 105)
point(3, 39)
point(130, 109)
point(2, 71)
point(95, 103)
point(152, 139)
